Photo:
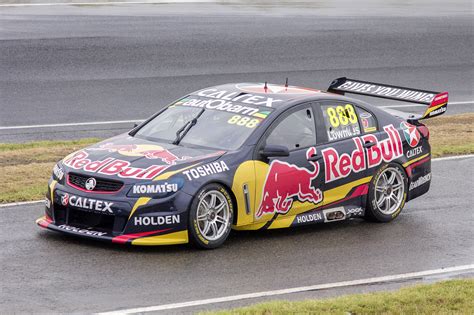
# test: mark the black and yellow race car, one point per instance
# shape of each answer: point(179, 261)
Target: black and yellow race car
point(247, 156)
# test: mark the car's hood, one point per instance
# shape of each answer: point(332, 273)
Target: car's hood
point(128, 157)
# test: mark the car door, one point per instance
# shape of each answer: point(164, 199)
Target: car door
point(344, 158)
point(290, 184)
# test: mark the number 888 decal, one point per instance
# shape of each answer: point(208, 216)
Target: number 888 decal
point(341, 121)
point(243, 121)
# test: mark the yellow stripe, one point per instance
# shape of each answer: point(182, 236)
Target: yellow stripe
point(335, 194)
point(169, 174)
point(140, 202)
point(415, 160)
point(51, 189)
point(180, 237)
point(430, 109)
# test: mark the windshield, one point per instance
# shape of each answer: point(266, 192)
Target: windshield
point(218, 126)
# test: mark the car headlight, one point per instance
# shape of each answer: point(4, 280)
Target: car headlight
point(156, 189)
point(58, 172)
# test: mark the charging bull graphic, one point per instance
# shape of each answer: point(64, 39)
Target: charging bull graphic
point(284, 182)
point(152, 152)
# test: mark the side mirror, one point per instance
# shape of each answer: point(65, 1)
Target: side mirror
point(273, 150)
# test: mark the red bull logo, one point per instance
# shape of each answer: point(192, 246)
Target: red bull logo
point(111, 167)
point(287, 181)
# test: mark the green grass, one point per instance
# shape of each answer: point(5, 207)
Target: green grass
point(447, 297)
point(26, 167)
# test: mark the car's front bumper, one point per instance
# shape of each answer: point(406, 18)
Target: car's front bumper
point(157, 237)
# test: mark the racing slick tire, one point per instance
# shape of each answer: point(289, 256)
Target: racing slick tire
point(387, 193)
point(210, 217)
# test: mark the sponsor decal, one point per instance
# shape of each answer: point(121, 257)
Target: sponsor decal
point(226, 106)
point(152, 152)
point(47, 203)
point(90, 183)
point(420, 181)
point(351, 212)
point(161, 220)
point(205, 170)
point(81, 231)
point(58, 172)
point(286, 181)
point(112, 166)
point(414, 152)
point(339, 166)
point(411, 133)
point(311, 217)
point(160, 188)
point(87, 203)
point(386, 91)
point(245, 98)
point(438, 111)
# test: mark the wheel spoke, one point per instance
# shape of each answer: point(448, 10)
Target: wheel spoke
point(212, 204)
point(381, 200)
point(202, 217)
point(205, 205)
point(387, 204)
point(220, 207)
point(379, 189)
point(206, 228)
point(394, 198)
point(220, 220)
point(391, 178)
point(214, 228)
point(384, 177)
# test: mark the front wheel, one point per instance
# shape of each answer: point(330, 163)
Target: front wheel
point(387, 193)
point(210, 217)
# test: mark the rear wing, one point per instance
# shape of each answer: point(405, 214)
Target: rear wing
point(437, 101)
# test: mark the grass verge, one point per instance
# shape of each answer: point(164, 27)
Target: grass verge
point(26, 167)
point(447, 297)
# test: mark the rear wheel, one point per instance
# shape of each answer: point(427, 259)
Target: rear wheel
point(387, 193)
point(210, 217)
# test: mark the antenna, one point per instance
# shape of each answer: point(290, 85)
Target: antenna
point(286, 83)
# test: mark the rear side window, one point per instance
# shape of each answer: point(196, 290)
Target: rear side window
point(367, 120)
point(340, 120)
point(295, 131)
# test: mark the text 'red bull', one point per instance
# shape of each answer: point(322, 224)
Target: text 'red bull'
point(339, 166)
point(111, 166)
point(284, 182)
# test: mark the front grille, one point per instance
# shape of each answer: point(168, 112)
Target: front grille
point(89, 220)
point(102, 185)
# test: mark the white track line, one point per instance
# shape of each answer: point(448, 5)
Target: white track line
point(105, 3)
point(14, 204)
point(73, 124)
point(92, 123)
point(23, 203)
point(384, 279)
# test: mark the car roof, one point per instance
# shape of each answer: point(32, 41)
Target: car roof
point(259, 93)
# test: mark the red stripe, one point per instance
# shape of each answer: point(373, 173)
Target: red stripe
point(45, 222)
point(359, 191)
point(122, 239)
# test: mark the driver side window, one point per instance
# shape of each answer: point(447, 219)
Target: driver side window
point(295, 131)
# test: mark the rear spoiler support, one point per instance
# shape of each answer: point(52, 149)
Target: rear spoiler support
point(437, 101)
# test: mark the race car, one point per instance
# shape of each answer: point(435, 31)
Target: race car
point(247, 156)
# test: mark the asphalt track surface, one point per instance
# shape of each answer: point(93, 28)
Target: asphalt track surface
point(73, 64)
point(42, 271)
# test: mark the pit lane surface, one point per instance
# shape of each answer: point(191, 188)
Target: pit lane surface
point(124, 62)
point(43, 271)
